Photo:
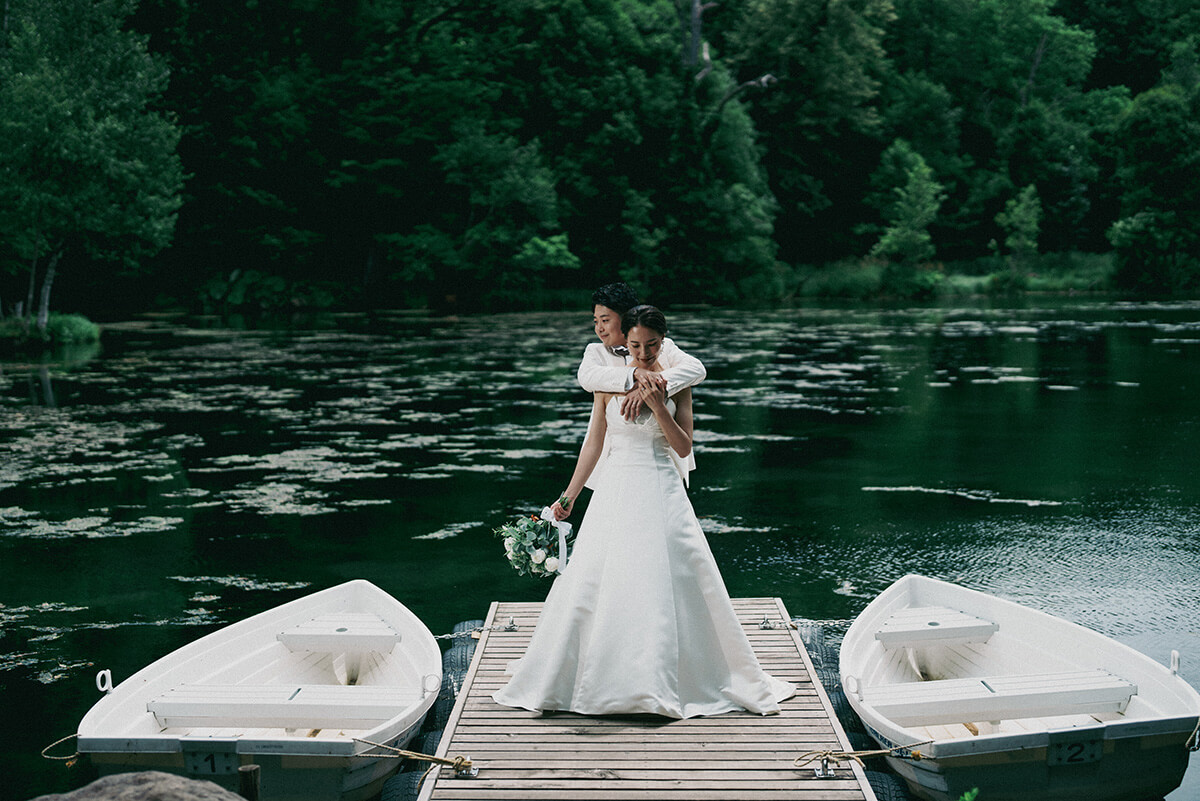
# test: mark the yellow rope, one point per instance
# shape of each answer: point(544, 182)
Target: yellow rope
point(68, 759)
point(459, 763)
point(838, 757)
point(425, 775)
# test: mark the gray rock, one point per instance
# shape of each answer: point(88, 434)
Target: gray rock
point(150, 785)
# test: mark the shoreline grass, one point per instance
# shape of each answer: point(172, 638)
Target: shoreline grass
point(869, 279)
point(21, 333)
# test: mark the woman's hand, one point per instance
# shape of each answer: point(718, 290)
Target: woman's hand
point(631, 404)
point(562, 508)
point(649, 378)
point(653, 396)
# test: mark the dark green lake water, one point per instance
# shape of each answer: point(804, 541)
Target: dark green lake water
point(186, 476)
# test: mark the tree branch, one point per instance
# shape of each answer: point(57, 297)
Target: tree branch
point(442, 16)
point(713, 119)
point(763, 81)
point(1038, 52)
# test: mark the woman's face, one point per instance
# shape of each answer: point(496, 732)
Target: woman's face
point(608, 326)
point(644, 344)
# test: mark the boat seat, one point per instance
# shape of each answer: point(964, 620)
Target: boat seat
point(346, 632)
point(1000, 698)
point(932, 625)
point(289, 706)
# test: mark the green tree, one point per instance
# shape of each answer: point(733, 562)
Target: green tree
point(252, 85)
point(916, 200)
point(458, 189)
point(511, 216)
point(85, 159)
point(1157, 238)
point(500, 146)
point(906, 242)
point(820, 117)
point(1133, 39)
point(1021, 219)
point(659, 173)
point(1008, 109)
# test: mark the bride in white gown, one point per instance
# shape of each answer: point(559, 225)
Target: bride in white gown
point(640, 621)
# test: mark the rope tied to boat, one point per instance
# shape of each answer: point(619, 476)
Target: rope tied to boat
point(463, 768)
point(832, 623)
point(838, 757)
point(511, 625)
point(70, 760)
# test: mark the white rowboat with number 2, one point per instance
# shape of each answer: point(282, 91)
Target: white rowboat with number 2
point(1020, 704)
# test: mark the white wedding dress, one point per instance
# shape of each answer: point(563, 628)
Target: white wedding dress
point(640, 620)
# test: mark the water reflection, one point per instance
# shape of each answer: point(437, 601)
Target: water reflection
point(189, 476)
point(37, 374)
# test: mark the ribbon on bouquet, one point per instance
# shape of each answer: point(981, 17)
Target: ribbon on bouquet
point(564, 531)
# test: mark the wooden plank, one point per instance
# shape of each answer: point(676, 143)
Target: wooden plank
point(738, 756)
point(916, 626)
point(740, 793)
point(804, 707)
point(340, 633)
point(707, 764)
point(1000, 697)
point(290, 706)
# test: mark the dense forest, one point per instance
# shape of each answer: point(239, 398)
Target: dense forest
point(255, 154)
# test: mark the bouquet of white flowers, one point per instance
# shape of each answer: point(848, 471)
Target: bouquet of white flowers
point(536, 546)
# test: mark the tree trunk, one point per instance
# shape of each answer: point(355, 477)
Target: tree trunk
point(43, 315)
point(32, 285)
point(691, 17)
point(1033, 69)
point(694, 33)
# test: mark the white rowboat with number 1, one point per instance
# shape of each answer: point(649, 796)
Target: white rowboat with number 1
point(1020, 704)
point(295, 690)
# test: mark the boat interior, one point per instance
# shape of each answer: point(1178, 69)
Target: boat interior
point(320, 678)
point(947, 674)
point(338, 675)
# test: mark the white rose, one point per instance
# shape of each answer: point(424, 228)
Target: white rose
point(551, 564)
point(509, 542)
point(538, 556)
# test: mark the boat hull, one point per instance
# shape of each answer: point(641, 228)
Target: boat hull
point(282, 777)
point(1131, 769)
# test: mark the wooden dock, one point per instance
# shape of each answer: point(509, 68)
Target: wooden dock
point(523, 756)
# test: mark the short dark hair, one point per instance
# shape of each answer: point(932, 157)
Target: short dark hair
point(618, 297)
point(648, 316)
